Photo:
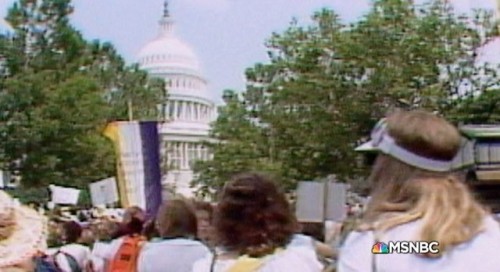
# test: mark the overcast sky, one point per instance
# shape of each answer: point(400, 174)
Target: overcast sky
point(227, 35)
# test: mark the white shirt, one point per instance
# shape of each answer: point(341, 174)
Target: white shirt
point(302, 240)
point(80, 253)
point(103, 253)
point(99, 252)
point(293, 258)
point(109, 251)
point(171, 255)
point(480, 254)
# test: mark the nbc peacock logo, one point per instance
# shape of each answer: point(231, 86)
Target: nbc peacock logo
point(380, 248)
point(406, 247)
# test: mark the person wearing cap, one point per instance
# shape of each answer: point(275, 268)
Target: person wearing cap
point(417, 196)
point(23, 234)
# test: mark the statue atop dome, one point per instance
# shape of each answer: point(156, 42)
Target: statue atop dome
point(165, 9)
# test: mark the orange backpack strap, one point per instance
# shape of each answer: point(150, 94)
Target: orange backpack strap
point(127, 256)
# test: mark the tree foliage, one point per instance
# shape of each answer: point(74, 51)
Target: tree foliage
point(482, 109)
point(240, 144)
point(57, 92)
point(326, 85)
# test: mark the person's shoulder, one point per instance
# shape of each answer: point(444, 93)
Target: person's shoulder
point(355, 252)
point(175, 243)
point(75, 245)
point(112, 248)
point(357, 241)
point(292, 251)
point(190, 242)
point(300, 236)
point(87, 250)
point(491, 232)
point(200, 247)
point(51, 251)
point(357, 236)
point(492, 223)
point(117, 241)
point(75, 248)
point(150, 248)
point(293, 259)
point(301, 240)
point(203, 264)
point(221, 264)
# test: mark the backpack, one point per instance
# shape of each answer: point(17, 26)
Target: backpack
point(73, 264)
point(127, 255)
point(48, 263)
point(45, 263)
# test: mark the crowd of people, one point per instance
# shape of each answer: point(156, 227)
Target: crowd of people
point(416, 196)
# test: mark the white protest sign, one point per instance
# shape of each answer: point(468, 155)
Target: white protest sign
point(104, 192)
point(336, 202)
point(320, 201)
point(310, 202)
point(64, 195)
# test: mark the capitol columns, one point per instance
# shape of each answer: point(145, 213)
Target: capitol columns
point(175, 116)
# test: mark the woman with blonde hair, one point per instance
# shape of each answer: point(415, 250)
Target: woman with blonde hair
point(417, 196)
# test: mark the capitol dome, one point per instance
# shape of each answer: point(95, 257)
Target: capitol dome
point(188, 110)
point(168, 52)
point(170, 58)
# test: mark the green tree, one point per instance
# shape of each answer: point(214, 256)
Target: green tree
point(327, 84)
point(136, 95)
point(51, 132)
point(420, 56)
point(238, 148)
point(483, 109)
point(58, 94)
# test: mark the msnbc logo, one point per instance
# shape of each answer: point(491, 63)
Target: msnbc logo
point(406, 247)
point(380, 248)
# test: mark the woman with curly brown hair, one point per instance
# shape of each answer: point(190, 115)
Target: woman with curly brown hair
point(417, 197)
point(254, 225)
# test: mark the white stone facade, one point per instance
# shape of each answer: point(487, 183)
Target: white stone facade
point(189, 108)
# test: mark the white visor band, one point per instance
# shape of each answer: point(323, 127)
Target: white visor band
point(382, 141)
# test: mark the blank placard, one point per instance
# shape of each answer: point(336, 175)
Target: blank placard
point(310, 202)
point(336, 201)
point(104, 192)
